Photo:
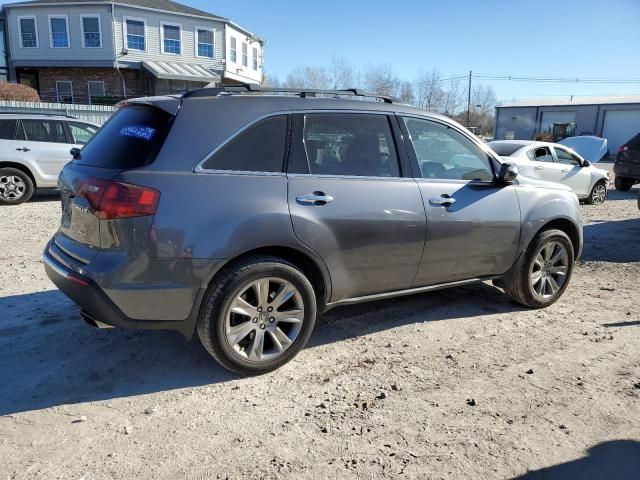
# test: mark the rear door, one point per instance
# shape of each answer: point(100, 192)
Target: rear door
point(44, 142)
point(353, 203)
point(541, 163)
point(473, 224)
point(569, 171)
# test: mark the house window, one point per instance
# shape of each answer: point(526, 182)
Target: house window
point(59, 31)
point(91, 34)
point(96, 89)
point(28, 32)
point(245, 55)
point(254, 58)
point(64, 91)
point(234, 50)
point(205, 43)
point(135, 31)
point(171, 39)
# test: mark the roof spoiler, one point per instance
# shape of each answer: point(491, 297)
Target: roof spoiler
point(169, 104)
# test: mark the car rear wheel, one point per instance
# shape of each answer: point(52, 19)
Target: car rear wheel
point(623, 184)
point(598, 194)
point(258, 315)
point(16, 186)
point(543, 272)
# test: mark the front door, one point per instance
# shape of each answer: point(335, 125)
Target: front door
point(351, 203)
point(473, 225)
point(569, 171)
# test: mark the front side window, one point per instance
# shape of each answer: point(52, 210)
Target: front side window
point(59, 32)
point(567, 158)
point(245, 54)
point(259, 148)
point(28, 32)
point(44, 131)
point(171, 39)
point(444, 153)
point(233, 51)
point(205, 43)
point(540, 154)
point(135, 35)
point(81, 133)
point(8, 129)
point(64, 91)
point(254, 58)
point(348, 144)
point(91, 36)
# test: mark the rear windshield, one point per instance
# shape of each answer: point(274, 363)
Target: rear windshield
point(505, 149)
point(634, 143)
point(130, 139)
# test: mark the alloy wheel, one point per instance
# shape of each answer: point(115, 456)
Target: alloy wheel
point(549, 270)
point(599, 194)
point(12, 188)
point(264, 319)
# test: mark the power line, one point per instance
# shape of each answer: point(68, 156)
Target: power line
point(577, 79)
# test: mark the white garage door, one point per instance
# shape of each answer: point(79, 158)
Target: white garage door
point(620, 126)
point(549, 118)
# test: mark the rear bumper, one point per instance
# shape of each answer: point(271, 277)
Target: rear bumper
point(627, 171)
point(92, 300)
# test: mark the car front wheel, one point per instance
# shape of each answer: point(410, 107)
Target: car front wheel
point(598, 194)
point(258, 315)
point(543, 271)
point(16, 186)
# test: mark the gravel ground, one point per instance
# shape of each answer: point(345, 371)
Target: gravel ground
point(453, 384)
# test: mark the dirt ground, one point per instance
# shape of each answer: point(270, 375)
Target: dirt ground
point(452, 384)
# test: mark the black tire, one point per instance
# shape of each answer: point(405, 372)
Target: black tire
point(5, 199)
point(212, 320)
point(623, 184)
point(517, 281)
point(593, 198)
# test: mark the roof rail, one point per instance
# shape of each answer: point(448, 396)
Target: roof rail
point(43, 114)
point(301, 92)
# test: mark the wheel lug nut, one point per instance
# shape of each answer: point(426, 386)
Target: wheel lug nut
point(255, 320)
point(259, 309)
point(270, 309)
point(271, 320)
point(263, 326)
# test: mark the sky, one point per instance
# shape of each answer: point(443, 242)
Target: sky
point(541, 38)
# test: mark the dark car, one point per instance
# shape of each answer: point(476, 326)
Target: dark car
point(627, 166)
point(242, 215)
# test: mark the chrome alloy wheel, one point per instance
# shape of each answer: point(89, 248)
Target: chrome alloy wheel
point(549, 270)
point(12, 187)
point(264, 319)
point(599, 194)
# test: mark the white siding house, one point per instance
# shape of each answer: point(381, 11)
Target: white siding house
point(90, 51)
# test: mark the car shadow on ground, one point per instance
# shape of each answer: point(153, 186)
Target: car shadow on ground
point(50, 357)
point(608, 241)
point(616, 195)
point(614, 460)
point(45, 195)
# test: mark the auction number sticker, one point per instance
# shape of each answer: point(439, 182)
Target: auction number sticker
point(138, 131)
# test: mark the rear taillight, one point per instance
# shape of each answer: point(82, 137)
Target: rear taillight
point(623, 148)
point(111, 200)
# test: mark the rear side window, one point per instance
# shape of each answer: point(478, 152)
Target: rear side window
point(505, 149)
point(345, 144)
point(634, 143)
point(8, 129)
point(130, 139)
point(259, 148)
point(81, 133)
point(44, 131)
point(541, 154)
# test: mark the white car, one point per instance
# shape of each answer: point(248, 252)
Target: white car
point(33, 150)
point(552, 162)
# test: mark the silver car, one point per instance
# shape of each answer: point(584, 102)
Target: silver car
point(553, 162)
point(241, 216)
point(33, 150)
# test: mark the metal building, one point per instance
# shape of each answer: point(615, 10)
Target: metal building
point(615, 118)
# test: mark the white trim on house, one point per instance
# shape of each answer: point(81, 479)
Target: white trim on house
point(65, 17)
point(197, 41)
point(125, 34)
point(58, 91)
point(170, 24)
point(35, 24)
point(104, 90)
point(82, 32)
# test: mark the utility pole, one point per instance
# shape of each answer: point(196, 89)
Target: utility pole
point(469, 102)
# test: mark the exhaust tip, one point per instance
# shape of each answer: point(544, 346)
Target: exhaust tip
point(95, 323)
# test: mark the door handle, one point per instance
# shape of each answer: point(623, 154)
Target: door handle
point(539, 168)
point(443, 200)
point(23, 149)
point(317, 199)
point(564, 170)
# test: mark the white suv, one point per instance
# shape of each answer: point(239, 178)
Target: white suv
point(33, 150)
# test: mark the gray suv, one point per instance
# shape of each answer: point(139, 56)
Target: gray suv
point(243, 215)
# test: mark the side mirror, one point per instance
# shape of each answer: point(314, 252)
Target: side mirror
point(75, 153)
point(507, 174)
point(586, 163)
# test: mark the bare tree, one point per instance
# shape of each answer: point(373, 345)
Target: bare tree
point(429, 93)
point(406, 93)
point(342, 74)
point(309, 77)
point(453, 98)
point(379, 79)
point(270, 81)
